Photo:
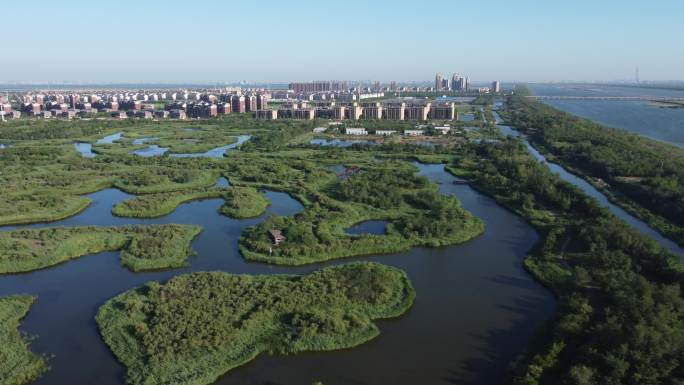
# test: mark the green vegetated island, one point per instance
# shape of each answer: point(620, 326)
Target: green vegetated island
point(419, 216)
point(18, 365)
point(142, 247)
point(195, 327)
point(240, 202)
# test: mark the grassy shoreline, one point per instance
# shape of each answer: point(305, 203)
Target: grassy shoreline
point(142, 247)
point(82, 204)
point(160, 204)
point(18, 365)
point(240, 202)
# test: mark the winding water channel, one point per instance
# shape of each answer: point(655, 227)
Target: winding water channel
point(475, 310)
point(590, 190)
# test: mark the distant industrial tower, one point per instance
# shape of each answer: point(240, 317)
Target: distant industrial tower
point(636, 75)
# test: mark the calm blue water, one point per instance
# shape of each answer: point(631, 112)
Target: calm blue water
point(85, 149)
point(640, 117)
point(223, 182)
point(152, 150)
point(340, 142)
point(110, 139)
point(218, 152)
point(368, 227)
point(140, 141)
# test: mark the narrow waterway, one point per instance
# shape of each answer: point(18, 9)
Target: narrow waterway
point(476, 306)
point(217, 152)
point(590, 190)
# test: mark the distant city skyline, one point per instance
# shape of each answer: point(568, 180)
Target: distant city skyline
point(281, 42)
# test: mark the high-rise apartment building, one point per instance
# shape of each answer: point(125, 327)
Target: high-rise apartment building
point(418, 112)
point(372, 111)
point(262, 102)
point(439, 82)
point(237, 104)
point(250, 103)
point(395, 111)
point(443, 111)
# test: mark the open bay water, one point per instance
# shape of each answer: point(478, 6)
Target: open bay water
point(639, 117)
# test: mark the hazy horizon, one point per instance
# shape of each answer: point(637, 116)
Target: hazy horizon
point(277, 42)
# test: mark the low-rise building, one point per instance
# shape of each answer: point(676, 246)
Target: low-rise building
point(277, 236)
point(385, 132)
point(443, 129)
point(414, 132)
point(319, 130)
point(355, 131)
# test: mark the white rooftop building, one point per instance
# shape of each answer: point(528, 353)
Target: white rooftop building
point(414, 132)
point(385, 132)
point(355, 131)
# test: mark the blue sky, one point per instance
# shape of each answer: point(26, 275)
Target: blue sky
point(208, 41)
